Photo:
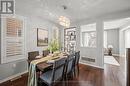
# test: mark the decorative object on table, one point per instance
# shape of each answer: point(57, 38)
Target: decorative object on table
point(42, 37)
point(110, 47)
point(38, 57)
point(54, 46)
point(70, 39)
point(50, 61)
point(56, 53)
point(45, 53)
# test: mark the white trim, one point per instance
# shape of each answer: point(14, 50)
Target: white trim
point(13, 76)
point(91, 65)
point(115, 55)
point(4, 59)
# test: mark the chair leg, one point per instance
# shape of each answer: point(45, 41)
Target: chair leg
point(74, 71)
point(39, 82)
point(66, 81)
point(72, 75)
point(65, 77)
point(78, 68)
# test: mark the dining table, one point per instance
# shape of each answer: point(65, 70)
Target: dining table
point(42, 64)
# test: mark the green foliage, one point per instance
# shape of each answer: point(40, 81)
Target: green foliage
point(54, 45)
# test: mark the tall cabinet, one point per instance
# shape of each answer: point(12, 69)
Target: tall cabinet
point(70, 39)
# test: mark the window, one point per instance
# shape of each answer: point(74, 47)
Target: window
point(105, 39)
point(127, 38)
point(88, 35)
point(13, 37)
point(13, 42)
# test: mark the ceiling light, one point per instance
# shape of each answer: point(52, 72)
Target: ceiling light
point(64, 21)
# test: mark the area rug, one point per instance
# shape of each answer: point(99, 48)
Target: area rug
point(110, 60)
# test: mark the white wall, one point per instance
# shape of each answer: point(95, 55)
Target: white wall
point(97, 53)
point(127, 38)
point(123, 32)
point(32, 24)
point(17, 67)
point(113, 39)
point(122, 50)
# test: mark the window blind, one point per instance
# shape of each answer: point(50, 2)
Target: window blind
point(14, 43)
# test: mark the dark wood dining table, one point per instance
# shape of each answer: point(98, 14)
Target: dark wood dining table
point(42, 66)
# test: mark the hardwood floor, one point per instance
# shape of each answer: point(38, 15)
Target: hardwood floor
point(18, 81)
point(90, 76)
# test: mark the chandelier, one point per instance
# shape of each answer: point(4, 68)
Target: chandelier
point(64, 21)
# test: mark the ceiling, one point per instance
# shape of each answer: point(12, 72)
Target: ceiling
point(76, 9)
point(116, 24)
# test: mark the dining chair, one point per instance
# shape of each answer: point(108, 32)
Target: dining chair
point(56, 74)
point(76, 62)
point(69, 65)
point(32, 55)
point(45, 53)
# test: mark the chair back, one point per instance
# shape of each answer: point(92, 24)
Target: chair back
point(45, 53)
point(77, 56)
point(70, 63)
point(58, 69)
point(32, 55)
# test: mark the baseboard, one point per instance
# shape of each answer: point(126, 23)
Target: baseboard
point(112, 54)
point(91, 65)
point(115, 54)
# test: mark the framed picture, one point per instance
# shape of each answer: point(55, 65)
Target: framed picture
point(42, 37)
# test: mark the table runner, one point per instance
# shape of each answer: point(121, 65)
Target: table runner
point(32, 79)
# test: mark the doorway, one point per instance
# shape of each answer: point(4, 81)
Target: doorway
point(116, 40)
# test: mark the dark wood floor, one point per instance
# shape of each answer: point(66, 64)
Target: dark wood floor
point(90, 76)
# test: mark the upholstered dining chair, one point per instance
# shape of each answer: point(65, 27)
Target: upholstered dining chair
point(56, 74)
point(45, 53)
point(70, 65)
point(32, 55)
point(76, 62)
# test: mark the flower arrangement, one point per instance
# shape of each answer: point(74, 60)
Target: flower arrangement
point(54, 46)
